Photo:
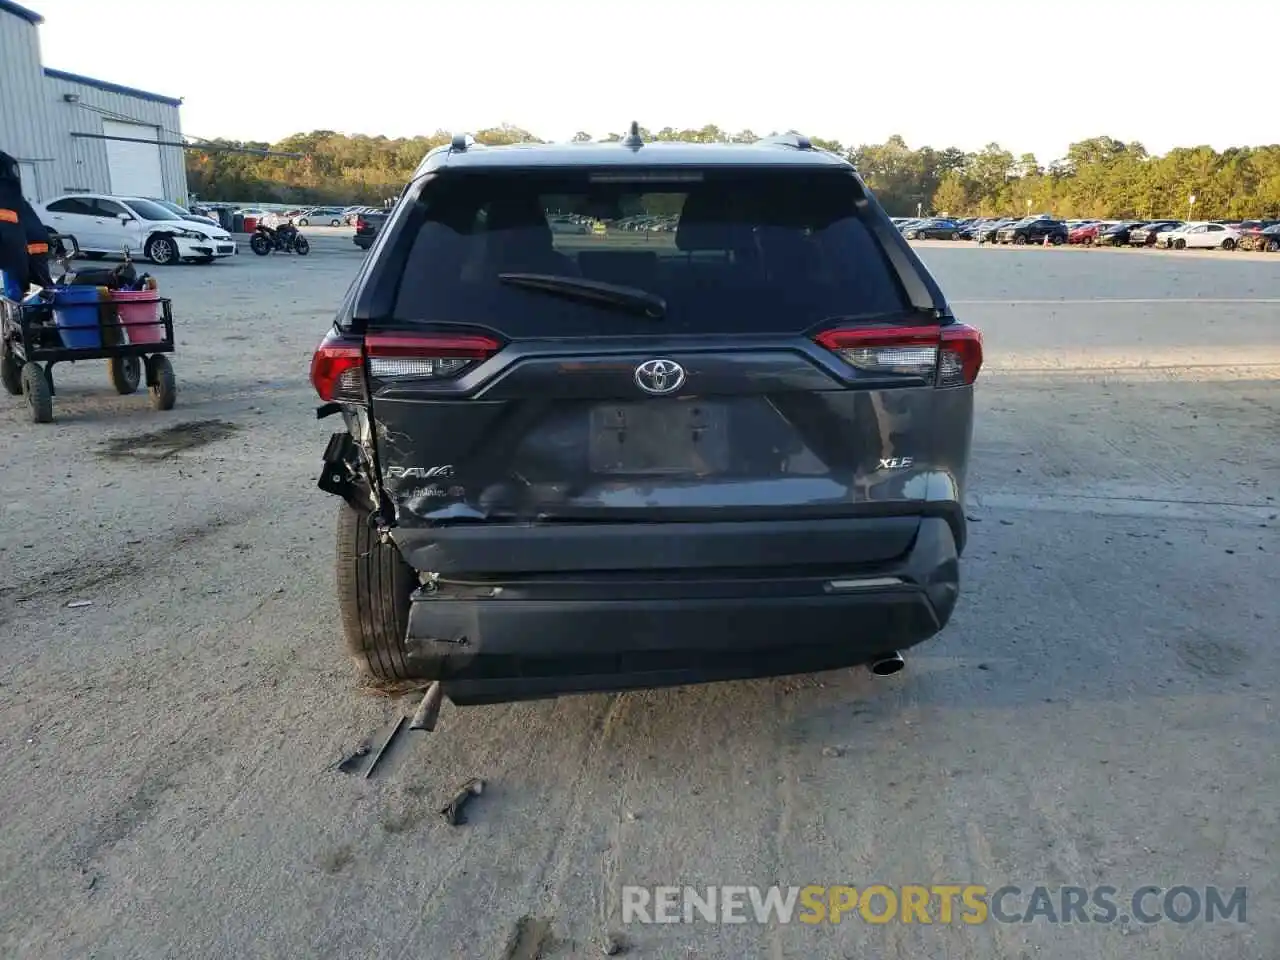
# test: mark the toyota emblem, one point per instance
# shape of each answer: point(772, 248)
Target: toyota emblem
point(659, 377)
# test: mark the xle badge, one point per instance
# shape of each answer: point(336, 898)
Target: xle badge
point(896, 463)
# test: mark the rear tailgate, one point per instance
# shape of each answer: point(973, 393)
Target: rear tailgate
point(759, 395)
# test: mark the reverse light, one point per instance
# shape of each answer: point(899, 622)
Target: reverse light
point(949, 356)
point(395, 357)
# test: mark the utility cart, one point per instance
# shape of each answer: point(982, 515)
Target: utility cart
point(96, 314)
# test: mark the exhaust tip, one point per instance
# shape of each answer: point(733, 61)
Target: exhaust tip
point(888, 665)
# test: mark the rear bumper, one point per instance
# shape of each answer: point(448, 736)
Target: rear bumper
point(517, 638)
point(363, 242)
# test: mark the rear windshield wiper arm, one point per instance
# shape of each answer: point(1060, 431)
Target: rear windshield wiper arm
point(594, 291)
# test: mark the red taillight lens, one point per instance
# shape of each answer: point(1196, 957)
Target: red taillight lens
point(337, 369)
point(338, 366)
point(960, 355)
point(395, 356)
point(360, 223)
point(949, 356)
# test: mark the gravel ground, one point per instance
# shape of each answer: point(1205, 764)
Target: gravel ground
point(1100, 711)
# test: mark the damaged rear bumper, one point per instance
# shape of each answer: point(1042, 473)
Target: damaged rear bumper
point(517, 637)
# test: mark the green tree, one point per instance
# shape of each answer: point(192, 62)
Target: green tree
point(1099, 177)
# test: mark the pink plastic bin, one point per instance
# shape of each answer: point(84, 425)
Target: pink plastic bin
point(139, 312)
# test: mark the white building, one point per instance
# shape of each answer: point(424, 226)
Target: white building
point(71, 133)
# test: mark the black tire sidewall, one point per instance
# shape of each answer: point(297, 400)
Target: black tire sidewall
point(374, 586)
point(163, 388)
point(35, 386)
point(124, 375)
point(10, 371)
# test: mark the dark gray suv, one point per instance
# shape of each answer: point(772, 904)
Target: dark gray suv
point(618, 459)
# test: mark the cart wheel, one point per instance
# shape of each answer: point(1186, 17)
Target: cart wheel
point(10, 371)
point(35, 384)
point(125, 374)
point(161, 384)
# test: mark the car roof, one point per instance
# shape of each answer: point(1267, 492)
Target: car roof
point(789, 152)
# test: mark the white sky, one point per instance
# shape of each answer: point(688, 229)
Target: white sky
point(1033, 75)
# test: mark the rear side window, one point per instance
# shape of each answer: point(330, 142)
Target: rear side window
point(750, 253)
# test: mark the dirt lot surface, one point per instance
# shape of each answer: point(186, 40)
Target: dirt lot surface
point(1101, 710)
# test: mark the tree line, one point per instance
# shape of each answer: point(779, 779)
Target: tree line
point(1099, 177)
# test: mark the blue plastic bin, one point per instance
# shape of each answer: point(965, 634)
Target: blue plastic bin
point(9, 287)
point(75, 312)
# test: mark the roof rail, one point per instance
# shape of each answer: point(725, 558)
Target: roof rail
point(796, 141)
point(461, 143)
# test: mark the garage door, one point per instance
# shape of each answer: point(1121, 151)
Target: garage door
point(135, 167)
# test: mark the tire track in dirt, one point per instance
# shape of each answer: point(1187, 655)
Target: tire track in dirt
point(91, 570)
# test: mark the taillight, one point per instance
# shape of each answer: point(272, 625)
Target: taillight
point(401, 356)
point(959, 355)
point(337, 369)
point(948, 356)
point(338, 366)
point(360, 223)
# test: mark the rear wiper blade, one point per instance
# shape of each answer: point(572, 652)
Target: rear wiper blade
point(595, 291)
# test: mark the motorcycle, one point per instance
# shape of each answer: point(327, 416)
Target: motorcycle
point(285, 238)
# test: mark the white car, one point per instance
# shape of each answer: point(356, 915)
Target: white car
point(104, 225)
point(321, 216)
point(1201, 236)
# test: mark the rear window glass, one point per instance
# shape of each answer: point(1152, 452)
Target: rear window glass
point(759, 253)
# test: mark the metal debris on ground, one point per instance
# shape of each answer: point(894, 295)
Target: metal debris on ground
point(76, 604)
point(428, 711)
point(452, 811)
point(391, 737)
point(353, 763)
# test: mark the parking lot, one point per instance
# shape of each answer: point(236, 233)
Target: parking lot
point(1101, 710)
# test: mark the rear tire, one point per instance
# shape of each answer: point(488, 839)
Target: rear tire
point(1273, 246)
point(1228, 244)
point(374, 587)
point(125, 374)
point(35, 384)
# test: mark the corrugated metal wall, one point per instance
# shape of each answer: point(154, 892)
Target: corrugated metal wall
point(82, 163)
point(36, 123)
point(24, 126)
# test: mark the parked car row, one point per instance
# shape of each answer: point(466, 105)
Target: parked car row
point(1042, 228)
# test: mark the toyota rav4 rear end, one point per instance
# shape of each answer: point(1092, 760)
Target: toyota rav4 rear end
point(730, 444)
